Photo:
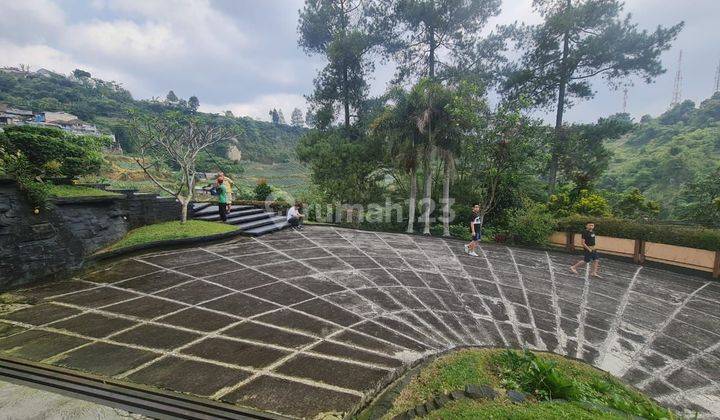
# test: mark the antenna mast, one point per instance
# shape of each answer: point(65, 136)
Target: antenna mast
point(717, 79)
point(677, 94)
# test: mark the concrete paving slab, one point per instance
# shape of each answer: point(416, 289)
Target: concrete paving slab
point(331, 372)
point(291, 398)
point(235, 352)
point(145, 307)
point(172, 373)
point(198, 319)
point(242, 279)
point(156, 337)
point(194, 292)
point(38, 345)
point(153, 282)
point(282, 293)
point(41, 314)
point(119, 271)
point(93, 325)
point(104, 359)
point(264, 334)
point(96, 298)
point(241, 305)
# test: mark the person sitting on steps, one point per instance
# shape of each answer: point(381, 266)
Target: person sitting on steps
point(295, 216)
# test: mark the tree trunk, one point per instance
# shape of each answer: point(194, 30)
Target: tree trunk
point(346, 99)
point(431, 55)
point(183, 209)
point(428, 193)
point(560, 139)
point(446, 194)
point(413, 201)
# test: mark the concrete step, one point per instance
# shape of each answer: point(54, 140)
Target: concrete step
point(196, 207)
point(239, 220)
point(213, 217)
point(267, 228)
point(212, 209)
point(261, 222)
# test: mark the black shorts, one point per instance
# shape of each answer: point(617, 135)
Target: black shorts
point(590, 256)
point(477, 236)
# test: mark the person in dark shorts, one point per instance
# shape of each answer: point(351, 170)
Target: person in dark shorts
point(475, 231)
point(590, 252)
point(222, 189)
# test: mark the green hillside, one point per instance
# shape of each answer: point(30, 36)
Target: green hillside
point(106, 104)
point(665, 157)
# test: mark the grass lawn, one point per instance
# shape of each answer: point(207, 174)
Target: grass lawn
point(170, 230)
point(555, 388)
point(78, 191)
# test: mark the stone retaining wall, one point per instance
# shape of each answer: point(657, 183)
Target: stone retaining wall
point(55, 241)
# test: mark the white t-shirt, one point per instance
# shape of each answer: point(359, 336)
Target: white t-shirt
point(293, 212)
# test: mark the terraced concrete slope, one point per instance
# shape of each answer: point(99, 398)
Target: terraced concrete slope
point(311, 322)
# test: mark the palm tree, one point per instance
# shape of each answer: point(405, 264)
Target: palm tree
point(435, 123)
point(397, 125)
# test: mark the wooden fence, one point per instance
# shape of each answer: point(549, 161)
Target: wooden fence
point(641, 251)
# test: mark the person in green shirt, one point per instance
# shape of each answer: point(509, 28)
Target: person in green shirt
point(222, 199)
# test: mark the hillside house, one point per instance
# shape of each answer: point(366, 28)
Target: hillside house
point(9, 115)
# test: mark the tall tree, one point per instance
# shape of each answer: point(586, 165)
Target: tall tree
point(577, 41)
point(337, 29)
point(427, 37)
point(274, 116)
point(171, 97)
point(193, 103)
point(176, 140)
point(397, 126)
point(499, 155)
point(420, 34)
point(296, 119)
point(310, 118)
point(281, 117)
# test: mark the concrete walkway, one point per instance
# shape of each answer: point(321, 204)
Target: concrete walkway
point(21, 402)
point(316, 322)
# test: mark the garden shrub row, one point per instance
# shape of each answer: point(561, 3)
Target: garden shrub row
point(692, 237)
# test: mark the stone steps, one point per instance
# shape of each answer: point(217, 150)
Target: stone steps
point(252, 220)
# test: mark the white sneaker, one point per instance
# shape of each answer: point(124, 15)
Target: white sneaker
point(472, 254)
point(467, 250)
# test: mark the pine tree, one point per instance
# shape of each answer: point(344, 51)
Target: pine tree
point(577, 41)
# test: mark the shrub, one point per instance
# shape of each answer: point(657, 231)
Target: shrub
point(460, 231)
point(19, 167)
point(531, 374)
point(52, 152)
point(592, 204)
point(633, 205)
point(531, 225)
point(262, 190)
point(693, 237)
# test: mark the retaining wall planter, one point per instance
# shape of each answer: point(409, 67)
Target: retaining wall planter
point(54, 242)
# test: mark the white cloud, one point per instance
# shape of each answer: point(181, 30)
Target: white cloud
point(125, 40)
point(259, 107)
point(196, 22)
point(31, 21)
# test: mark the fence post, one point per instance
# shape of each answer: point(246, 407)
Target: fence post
point(570, 241)
point(716, 268)
point(639, 255)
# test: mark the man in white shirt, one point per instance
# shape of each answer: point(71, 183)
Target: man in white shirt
point(294, 216)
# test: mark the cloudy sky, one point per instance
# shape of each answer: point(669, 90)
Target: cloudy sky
point(242, 55)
